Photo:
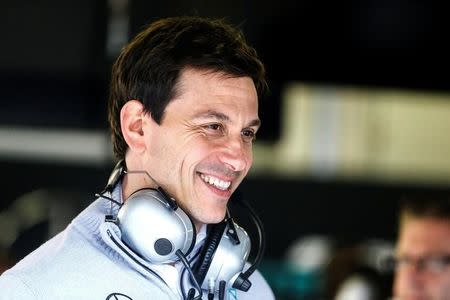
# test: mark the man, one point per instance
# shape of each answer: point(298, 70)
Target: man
point(423, 248)
point(183, 113)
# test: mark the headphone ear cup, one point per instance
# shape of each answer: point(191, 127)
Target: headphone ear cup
point(203, 263)
point(154, 230)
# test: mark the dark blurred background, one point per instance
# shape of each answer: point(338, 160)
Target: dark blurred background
point(55, 59)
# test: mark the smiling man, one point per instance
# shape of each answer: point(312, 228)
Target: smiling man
point(183, 113)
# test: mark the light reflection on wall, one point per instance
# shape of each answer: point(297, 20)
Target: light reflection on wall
point(362, 133)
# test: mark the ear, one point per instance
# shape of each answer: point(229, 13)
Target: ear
point(131, 123)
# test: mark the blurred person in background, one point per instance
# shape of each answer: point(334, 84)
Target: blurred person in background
point(183, 113)
point(359, 271)
point(422, 255)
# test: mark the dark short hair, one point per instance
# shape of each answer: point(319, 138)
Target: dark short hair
point(424, 204)
point(149, 67)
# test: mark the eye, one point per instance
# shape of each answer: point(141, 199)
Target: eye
point(437, 264)
point(214, 126)
point(248, 135)
point(400, 262)
point(214, 129)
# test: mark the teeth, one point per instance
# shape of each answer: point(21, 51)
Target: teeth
point(220, 184)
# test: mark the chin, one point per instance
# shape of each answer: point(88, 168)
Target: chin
point(214, 217)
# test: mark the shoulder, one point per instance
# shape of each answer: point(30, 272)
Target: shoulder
point(64, 251)
point(67, 258)
point(12, 287)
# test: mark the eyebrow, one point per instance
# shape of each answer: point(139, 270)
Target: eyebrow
point(222, 117)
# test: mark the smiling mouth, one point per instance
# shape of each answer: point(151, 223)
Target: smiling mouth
point(216, 182)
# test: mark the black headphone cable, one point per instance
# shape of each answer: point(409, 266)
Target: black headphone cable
point(191, 274)
point(242, 283)
point(133, 258)
point(222, 285)
point(182, 274)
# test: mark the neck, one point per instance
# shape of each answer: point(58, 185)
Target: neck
point(198, 226)
point(136, 178)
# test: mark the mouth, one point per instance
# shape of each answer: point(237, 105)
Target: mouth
point(220, 184)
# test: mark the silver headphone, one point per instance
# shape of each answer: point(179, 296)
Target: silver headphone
point(155, 228)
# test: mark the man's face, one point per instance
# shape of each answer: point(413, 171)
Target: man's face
point(421, 243)
point(202, 149)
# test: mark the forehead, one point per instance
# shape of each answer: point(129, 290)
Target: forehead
point(195, 81)
point(200, 92)
point(423, 236)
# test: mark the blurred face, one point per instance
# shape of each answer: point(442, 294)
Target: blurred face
point(202, 149)
point(423, 273)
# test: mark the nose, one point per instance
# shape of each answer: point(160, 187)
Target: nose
point(236, 154)
point(410, 278)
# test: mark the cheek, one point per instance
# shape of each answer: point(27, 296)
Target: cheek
point(397, 285)
point(190, 154)
point(248, 152)
point(441, 284)
point(250, 156)
point(202, 146)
